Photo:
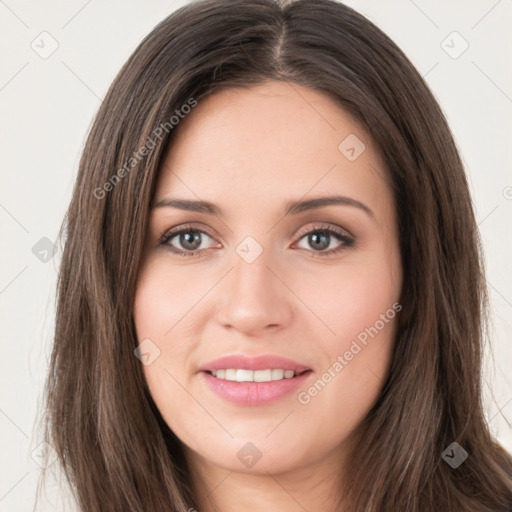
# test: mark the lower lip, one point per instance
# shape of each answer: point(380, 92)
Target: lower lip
point(254, 393)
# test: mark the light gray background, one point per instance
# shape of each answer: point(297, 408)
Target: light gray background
point(47, 105)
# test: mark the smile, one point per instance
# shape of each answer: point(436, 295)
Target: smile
point(242, 375)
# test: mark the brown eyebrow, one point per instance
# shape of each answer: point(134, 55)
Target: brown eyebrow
point(291, 208)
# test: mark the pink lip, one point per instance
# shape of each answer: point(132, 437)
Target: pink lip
point(254, 393)
point(263, 362)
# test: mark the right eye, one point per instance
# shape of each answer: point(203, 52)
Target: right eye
point(186, 241)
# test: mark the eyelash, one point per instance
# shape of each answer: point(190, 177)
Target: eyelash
point(348, 241)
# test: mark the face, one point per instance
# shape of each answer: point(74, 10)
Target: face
point(260, 278)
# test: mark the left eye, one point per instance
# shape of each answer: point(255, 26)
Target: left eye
point(319, 239)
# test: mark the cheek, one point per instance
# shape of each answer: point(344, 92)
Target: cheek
point(163, 297)
point(350, 299)
point(163, 312)
point(359, 306)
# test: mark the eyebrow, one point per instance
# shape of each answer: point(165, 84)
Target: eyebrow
point(291, 207)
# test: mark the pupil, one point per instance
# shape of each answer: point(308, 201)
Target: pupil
point(316, 240)
point(194, 240)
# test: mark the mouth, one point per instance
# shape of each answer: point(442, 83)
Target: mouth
point(251, 381)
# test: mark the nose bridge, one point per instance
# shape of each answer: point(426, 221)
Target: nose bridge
point(253, 297)
point(251, 273)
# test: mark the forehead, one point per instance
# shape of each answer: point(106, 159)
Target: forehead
point(269, 142)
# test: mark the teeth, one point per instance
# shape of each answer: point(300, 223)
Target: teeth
point(276, 374)
point(240, 375)
point(230, 374)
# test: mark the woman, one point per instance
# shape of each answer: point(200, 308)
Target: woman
point(272, 292)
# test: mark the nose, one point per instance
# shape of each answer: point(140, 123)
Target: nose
point(254, 298)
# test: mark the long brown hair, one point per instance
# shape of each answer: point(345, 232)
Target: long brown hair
point(114, 447)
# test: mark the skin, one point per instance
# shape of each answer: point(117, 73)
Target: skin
point(250, 151)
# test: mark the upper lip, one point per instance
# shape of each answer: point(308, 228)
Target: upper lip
point(261, 362)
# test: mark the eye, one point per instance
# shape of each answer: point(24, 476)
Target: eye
point(189, 240)
point(320, 238)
